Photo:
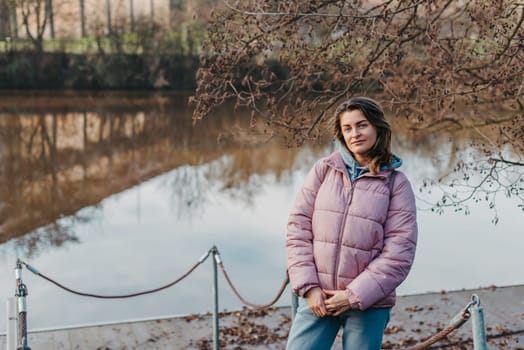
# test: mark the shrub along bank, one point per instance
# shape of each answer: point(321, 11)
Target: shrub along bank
point(55, 70)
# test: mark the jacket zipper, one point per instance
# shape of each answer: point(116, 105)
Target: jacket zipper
point(346, 210)
point(339, 242)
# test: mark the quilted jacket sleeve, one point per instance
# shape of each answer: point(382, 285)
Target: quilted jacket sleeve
point(299, 239)
point(385, 273)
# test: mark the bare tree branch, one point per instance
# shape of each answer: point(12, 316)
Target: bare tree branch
point(318, 14)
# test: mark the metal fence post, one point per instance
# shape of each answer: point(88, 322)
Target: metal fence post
point(478, 327)
point(294, 305)
point(216, 261)
point(21, 293)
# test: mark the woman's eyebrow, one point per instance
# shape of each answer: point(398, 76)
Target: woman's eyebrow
point(357, 123)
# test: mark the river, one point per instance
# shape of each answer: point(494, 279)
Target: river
point(117, 193)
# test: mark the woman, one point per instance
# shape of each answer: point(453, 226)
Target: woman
point(351, 236)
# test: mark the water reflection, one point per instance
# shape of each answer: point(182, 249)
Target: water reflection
point(57, 158)
point(118, 194)
point(57, 162)
point(67, 152)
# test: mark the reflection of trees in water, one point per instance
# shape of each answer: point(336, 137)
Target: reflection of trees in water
point(54, 164)
point(467, 169)
point(242, 174)
point(57, 161)
point(241, 182)
point(55, 234)
point(189, 186)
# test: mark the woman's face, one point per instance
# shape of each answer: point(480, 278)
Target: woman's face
point(360, 135)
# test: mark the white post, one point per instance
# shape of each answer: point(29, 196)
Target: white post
point(11, 324)
point(216, 261)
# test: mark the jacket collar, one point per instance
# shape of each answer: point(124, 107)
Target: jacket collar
point(336, 161)
point(354, 169)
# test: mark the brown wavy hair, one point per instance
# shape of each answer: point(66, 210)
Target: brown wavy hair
point(380, 154)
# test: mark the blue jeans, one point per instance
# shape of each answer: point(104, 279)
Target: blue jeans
point(362, 330)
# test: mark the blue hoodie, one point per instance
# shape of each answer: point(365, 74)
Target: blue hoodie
point(354, 169)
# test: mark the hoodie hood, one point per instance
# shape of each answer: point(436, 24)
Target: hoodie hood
point(354, 169)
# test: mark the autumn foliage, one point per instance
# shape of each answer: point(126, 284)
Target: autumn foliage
point(291, 62)
point(431, 63)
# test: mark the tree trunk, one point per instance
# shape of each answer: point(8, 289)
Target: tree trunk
point(39, 46)
point(82, 20)
point(132, 15)
point(152, 13)
point(4, 19)
point(50, 17)
point(108, 15)
point(13, 21)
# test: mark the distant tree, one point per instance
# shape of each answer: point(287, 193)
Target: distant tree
point(81, 8)
point(35, 16)
point(291, 62)
point(5, 14)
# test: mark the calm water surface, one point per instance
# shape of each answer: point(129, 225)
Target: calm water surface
point(118, 194)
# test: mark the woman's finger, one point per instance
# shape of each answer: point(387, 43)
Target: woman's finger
point(318, 311)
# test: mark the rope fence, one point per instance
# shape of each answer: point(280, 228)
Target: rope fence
point(118, 296)
point(473, 307)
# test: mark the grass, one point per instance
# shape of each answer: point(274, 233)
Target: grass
point(185, 40)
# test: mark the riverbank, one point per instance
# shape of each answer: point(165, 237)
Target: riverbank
point(27, 70)
point(414, 319)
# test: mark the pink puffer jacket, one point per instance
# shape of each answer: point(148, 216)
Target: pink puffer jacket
point(348, 236)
